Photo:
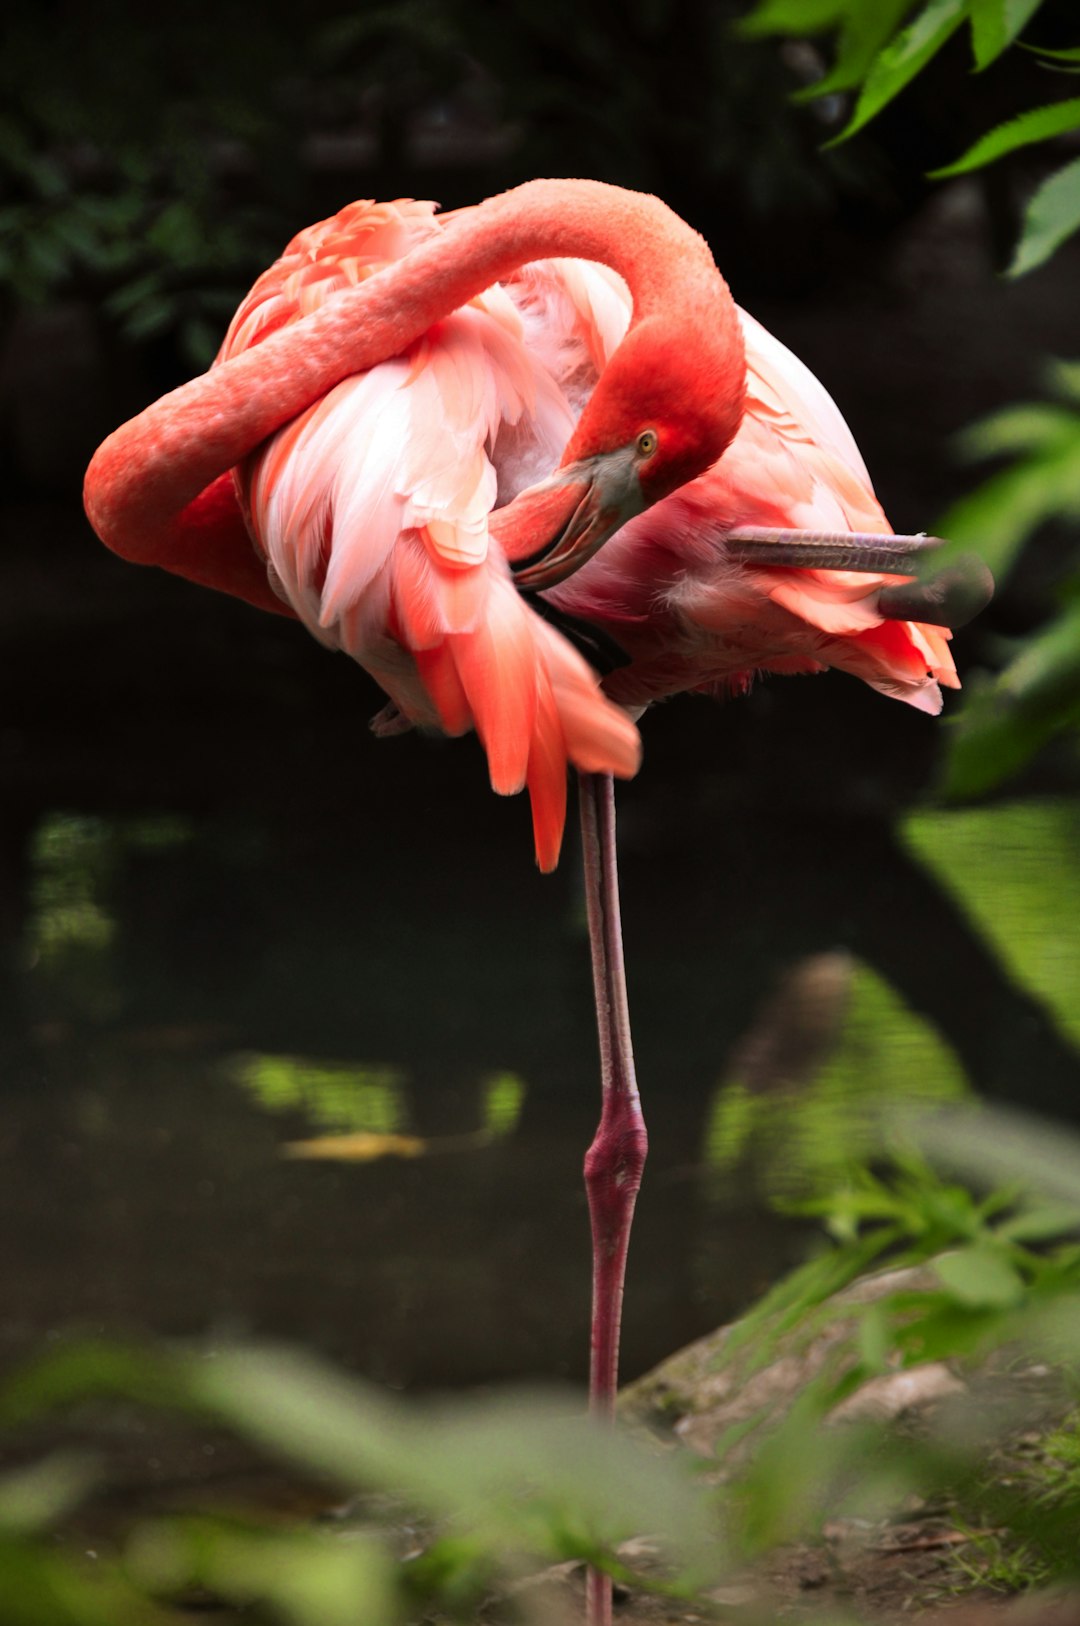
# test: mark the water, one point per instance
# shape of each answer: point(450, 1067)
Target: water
point(235, 921)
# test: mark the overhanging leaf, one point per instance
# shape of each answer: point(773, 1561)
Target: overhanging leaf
point(799, 17)
point(1053, 214)
point(1037, 124)
point(865, 30)
point(1032, 426)
point(903, 58)
point(995, 24)
point(1071, 54)
point(1009, 720)
point(998, 517)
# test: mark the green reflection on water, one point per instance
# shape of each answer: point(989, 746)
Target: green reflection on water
point(1016, 871)
point(503, 1099)
point(805, 1138)
point(335, 1095)
point(70, 932)
point(350, 1098)
point(71, 862)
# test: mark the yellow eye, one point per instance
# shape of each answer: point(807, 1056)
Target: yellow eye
point(647, 442)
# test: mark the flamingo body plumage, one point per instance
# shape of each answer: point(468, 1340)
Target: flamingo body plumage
point(373, 510)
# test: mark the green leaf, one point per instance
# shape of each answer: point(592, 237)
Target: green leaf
point(1038, 124)
point(982, 1277)
point(950, 1329)
point(42, 1586)
point(79, 1370)
point(994, 26)
point(1063, 378)
point(1008, 721)
point(864, 32)
point(1071, 54)
point(35, 1497)
point(1053, 214)
point(797, 17)
point(1027, 427)
point(151, 318)
point(996, 1144)
point(309, 1577)
point(903, 58)
point(997, 518)
point(516, 1468)
point(1042, 1224)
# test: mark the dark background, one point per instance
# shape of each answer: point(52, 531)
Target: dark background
point(205, 856)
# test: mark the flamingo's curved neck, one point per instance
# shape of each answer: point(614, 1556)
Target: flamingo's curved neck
point(155, 465)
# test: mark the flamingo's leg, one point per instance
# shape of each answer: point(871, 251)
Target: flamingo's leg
point(616, 1158)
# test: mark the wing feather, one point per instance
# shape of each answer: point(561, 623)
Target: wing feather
point(372, 511)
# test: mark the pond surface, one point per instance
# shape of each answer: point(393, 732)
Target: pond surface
point(234, 921)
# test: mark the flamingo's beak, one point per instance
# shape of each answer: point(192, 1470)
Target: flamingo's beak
point(951, 597)
point(550, 530)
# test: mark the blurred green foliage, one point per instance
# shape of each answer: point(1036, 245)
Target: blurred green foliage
point(810, 1137)
point(499, 1485)
point(880, 48)
point(993, 1273)
point(1035, 697)
point(115, 147)
point(456, 1503)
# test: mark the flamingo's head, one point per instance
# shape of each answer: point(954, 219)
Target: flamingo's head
point(665, 409)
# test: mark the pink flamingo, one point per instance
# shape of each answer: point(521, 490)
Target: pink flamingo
point(418, 425)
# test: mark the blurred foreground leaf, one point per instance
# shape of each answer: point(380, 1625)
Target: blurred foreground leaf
point(511, 1480)
point(1052, 215)
point(308, 1577)
point(1009, 719)
point(995, 1145)
point(1037, 124)
point(527, 1472)
point(981, 1276)
point(36, 1497)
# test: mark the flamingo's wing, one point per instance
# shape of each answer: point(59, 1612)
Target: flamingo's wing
point(795, 463)
point(372, 511)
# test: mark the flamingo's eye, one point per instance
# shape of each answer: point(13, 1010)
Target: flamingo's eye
point(647, 442)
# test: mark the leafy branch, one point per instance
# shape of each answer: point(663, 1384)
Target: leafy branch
point(1036, 696)
point(880, 48)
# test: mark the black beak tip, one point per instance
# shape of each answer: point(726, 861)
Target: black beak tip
point(951, 597)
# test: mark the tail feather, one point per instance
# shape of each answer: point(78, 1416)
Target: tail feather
point(600, 736)
point(496, 663)
point(438, 675)
point(372, 510)
point(546, 776)
point(899, 659)
point(535, 703)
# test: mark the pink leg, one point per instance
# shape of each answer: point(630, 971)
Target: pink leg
point(614, 1161)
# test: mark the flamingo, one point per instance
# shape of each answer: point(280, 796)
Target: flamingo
point(531, 467)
